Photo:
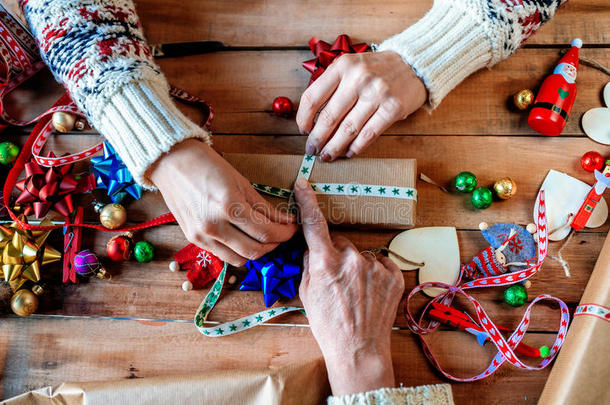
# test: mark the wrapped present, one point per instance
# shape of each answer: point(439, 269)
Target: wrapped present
point(581, 371)
point(276, 384)
point(361, 192)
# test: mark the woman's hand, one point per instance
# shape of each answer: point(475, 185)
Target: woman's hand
point(351, 302)
point(216, 207)
point(359, 96)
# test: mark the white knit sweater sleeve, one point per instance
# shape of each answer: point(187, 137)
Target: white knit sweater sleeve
point(97, 50)
point(458, 37)
point(439, 394)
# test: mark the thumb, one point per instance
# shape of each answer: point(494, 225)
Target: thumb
point(260, 204)
point(315, 227)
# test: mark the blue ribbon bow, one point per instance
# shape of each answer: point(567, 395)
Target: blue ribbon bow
point(112, 175)
point(277, 273)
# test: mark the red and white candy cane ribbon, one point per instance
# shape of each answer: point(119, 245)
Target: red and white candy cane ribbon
point(20, 60)
point(596, 310)
point(46, 131)
point(505, 346)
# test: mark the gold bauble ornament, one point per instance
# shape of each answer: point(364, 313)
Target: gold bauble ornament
point(113, 216)
point(63, 121)
point(523, 99)
point(505, 188)
point(24, 303)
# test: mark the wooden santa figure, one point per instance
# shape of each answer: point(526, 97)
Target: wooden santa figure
point(556, 95)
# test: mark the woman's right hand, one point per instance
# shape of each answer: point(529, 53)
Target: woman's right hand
point(216, 207)
point(351, 302)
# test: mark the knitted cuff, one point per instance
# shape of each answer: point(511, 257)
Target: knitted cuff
point(439, 394)
point(142, 123)
point(447, 45)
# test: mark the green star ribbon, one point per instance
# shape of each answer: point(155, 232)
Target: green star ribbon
point(238, 325)
point(250, 321)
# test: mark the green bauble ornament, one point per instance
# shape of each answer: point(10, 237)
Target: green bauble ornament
point(465, 182)
point(481, 198)
point(144, 251)
point(8, 153)
point(515, 295)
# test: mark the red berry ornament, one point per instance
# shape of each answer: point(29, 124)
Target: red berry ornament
point(592, 161)
point(282, 107)
point(119, 248)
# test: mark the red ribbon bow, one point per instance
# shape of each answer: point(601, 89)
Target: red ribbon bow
point(46, 188)
point(325, 54)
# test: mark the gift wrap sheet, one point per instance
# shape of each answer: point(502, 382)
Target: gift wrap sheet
point(350, 210)
point(581, 373)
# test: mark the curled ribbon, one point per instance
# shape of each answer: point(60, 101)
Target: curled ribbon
point(46, 188)
point(24, 253)
point(506, 347)
point(112, 175)
point(277, 273)
point(325, 53)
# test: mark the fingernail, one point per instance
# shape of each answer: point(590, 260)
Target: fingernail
point(301, 131)
point(301, 183)
point(310, 149)
point(326, 157)
point(349, 154)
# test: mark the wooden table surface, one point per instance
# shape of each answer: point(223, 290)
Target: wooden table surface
point(138, 325)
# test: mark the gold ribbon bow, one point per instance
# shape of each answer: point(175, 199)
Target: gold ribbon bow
point(24, 252)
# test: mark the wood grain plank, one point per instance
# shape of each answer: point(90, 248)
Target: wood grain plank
point(525, 159)
point(41, 351)
point(281, 23)
point(151, 291)
point(242, 85)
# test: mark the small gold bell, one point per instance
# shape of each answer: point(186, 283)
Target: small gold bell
point(63, 121)
point(80, 124)
point(37, 289)
point(102, 274)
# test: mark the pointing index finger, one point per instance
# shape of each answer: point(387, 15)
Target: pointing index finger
point(315, 227)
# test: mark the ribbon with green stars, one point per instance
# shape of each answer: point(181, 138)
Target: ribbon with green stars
point(238, 325)
point(351, 189)
point(250, 321)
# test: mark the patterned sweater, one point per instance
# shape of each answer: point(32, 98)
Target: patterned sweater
point(96, 48)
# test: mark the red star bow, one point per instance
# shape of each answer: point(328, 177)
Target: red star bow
point(46, 188)
point(202, 266)
point(325, 54)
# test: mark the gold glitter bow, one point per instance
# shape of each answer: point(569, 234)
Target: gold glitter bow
point(23, 253)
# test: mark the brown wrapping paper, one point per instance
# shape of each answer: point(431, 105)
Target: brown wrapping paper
point(581, 373)
point(304, 383)
point(362, 211)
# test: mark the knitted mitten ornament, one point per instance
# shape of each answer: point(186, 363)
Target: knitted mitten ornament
point(512, 249)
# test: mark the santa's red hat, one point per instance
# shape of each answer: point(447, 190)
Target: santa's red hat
point(571, 56)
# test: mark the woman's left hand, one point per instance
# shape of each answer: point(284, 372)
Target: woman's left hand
point(358, 97)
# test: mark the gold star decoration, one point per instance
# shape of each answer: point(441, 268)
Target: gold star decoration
point(24, 252)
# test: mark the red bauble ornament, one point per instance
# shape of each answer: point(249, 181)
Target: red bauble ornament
point(592, 161)
point(282, 107)
point(119, 248)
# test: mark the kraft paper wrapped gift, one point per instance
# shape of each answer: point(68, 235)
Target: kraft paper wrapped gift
point(299, 383)
point(351, 210)
point(581, 373)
